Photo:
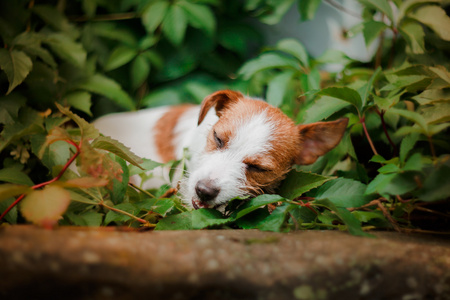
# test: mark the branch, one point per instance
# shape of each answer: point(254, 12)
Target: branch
point(38, 186)
point(381, 114)
point(363, 122)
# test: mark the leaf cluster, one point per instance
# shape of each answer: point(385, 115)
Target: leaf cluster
point(96, 57)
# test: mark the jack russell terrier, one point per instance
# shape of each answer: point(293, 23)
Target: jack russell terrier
point(242, 147)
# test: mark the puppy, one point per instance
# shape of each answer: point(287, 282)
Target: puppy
point(238, 146)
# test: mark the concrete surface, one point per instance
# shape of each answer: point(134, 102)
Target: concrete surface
point(69, 263)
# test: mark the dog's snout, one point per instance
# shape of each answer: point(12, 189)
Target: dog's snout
point(206, 190)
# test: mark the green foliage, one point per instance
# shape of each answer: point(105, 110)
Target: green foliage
point(97, 56)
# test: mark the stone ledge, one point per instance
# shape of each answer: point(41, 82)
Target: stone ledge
point(220, 264)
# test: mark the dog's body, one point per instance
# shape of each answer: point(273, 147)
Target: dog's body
point(241, 147)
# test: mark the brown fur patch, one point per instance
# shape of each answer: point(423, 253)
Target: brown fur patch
point(164, 132)
point(277, 161)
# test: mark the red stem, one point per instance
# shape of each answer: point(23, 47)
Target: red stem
point(363, 122)
point(381, 114)
point(37, 186)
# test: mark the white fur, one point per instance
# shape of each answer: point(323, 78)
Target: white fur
point(224, 166)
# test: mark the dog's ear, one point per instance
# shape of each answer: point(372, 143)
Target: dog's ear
point(219, 100)
point(316, 139)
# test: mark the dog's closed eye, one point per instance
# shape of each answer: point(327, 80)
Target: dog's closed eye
point(219, 142)
point(256, 168)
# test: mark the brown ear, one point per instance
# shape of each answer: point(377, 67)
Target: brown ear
point(219, 100)
point(316, 139)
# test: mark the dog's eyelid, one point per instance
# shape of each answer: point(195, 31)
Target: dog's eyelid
point(256, 168)
point(218, 141)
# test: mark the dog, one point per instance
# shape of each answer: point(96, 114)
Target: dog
point(238, 146)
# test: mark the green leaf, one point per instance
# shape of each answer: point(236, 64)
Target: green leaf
point(442, 72)
point(437, 113)
point(436, 185)
point(308, 8)
point(159, 206)
point(87, 130)
point(67, 49)
point(278, 87)
point(116, 147)
point(431, 96)
point(11, 216)
point(277, 12)
point(9, 108)
point(153, 15)
point(197, 219)
point(78, 197)
point(379, 183)
point(205, 218)
point(365, 89)
point(344, 192)
point(253, 219)
point(200, 16)
point(372, 30)
point(52, 16)
point(254, 204)
point(300, 182)
point(412, 116)
point(118, 217)
point(45, 207)
point(407, 145)
point(277, 219)
point(267, 61)
point(386, 102)
point(296, 49)
point(15, 175)
point(109, 88)
point(353, 225)
point(120, 56)
point(407, 6)
point(366, 216)
point(31, 44)
point(81, 101)
point(323, 108)
point(389, 168)
point(400, 184)
point(380, 5)
point(414, 36)
point(89, 218)
point(9, 190)
point(145, 166)
point(345, 94)
point(140, 69)
point(119, 187)
point(434, 17)
point(174, 24)
point(17, 65)
point(414, 163)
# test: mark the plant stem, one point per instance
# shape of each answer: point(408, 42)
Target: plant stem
point(141, 190)
point(109, 17)
point(342, 8)
point(127, 214)
point(39, 185)
point(362, 120)
point(379, 53)
point(392, 54)
point(433, 151)
point(381, 114)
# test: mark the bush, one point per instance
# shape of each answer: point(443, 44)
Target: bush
point(389, 171)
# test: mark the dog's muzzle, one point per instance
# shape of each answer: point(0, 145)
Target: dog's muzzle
point(206, 191)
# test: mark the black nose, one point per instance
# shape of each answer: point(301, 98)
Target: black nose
point(206, 190)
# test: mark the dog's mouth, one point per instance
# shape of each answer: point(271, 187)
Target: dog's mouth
point(197, 204)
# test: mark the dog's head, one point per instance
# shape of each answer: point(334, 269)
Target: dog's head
point(251, 148)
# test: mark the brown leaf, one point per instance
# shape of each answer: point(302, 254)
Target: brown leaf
point(45, 207)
